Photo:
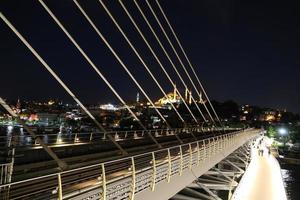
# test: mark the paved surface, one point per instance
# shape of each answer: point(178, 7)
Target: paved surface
point(262, 180)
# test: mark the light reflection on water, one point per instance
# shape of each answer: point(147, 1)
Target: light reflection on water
point(19, 137)
point(291, 177)
point(22, 138)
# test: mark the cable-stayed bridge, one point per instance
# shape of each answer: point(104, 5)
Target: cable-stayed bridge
point(139, 164)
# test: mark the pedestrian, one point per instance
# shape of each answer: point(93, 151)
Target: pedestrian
point(259, 152)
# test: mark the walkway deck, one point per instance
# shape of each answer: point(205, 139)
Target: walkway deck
point(262, 179)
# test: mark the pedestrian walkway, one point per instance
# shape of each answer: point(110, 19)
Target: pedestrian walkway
point(262, 179)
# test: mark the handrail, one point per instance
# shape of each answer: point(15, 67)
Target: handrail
point(112, 161)
point(189, 157)
point(89, 137)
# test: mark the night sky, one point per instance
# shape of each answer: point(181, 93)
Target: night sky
point(247, 51)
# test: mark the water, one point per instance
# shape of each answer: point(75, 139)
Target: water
point(291, 177)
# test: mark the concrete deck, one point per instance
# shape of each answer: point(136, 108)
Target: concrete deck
point(262, 179)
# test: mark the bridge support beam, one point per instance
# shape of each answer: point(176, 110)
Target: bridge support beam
point(165, 190)
point(220, 178)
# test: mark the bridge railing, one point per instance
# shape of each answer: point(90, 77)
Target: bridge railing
point(90, 137)
point(125, 177)
point(5, 173)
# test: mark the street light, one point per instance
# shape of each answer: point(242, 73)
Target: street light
point(282, 131)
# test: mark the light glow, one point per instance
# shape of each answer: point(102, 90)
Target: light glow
point(282, 131)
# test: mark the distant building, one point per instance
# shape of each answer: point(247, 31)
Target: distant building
point(270, 116)
point(47, 118)
point(172, 97)
point(109, 107)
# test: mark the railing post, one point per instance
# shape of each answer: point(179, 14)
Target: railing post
point(209, 149)
point(198, 154)
point(75, 138)
point(133, 179)
point(91, 137)
point(116, 136)
point(191, 156)
point(169, 166)
point(9, 141)
point(103, 182)
point(219, 143)
point(60, 197)
point(227, 141)
point(181, 161)
point(204, 151)
point(135, 136)
point(11, 166)
point(154, 171)
point(213, 147)
point(1, 174)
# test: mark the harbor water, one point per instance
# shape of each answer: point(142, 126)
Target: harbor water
point(291, 177)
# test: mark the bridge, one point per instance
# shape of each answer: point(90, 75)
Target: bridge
point(197, 157)
point(160, 174)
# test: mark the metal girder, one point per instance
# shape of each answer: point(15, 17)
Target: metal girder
point(221, 177)
point(235, 166)
point(222, 174)
point(206, 189)
point(185, 197)
point(238, 157)
point(210, 178)
point(195, 193)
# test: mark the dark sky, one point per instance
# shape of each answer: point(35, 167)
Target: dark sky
point(242, 50)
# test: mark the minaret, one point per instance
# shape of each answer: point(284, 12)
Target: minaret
point(190, 97)
point(200, 98)
point(138, 97)
point(18, 106)
point(175, 93)
point(186, 94)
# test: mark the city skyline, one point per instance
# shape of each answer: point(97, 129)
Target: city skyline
point(149, 99)
point(239, 53)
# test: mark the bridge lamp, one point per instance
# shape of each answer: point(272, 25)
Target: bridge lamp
point(10, 128)
point(59, 140)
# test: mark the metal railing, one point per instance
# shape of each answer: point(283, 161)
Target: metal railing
point(90, 137)
point(123, 178)
point(5, 173)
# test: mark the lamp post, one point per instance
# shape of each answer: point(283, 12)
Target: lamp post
point(283, 133)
